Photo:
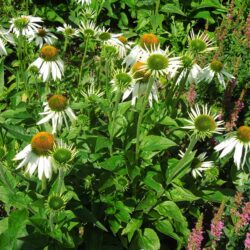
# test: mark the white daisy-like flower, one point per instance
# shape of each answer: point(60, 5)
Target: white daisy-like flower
point(238, 141)
point(36, 155)
point(25, 25)
point(63, 154)
point(88, 28)
point(43, 36)
point(92, 92)
point(216, 68)
point(200, 43)
point(138, 87)
point(68, 30)
point(5, 37)
point(203, 123)
point(158, 63)
point(87, 13)
point(56, 109)
point(113, 40)
point(49, 63)
point(147, 42)
point(82, 2)
point(199, 164)
point(191, 70)
point(122, 79)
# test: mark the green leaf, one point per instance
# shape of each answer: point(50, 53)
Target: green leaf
point(147, 240)
point(172, 8)
point(132, 226)
point(148, 201)
point(170, 210)
point(113, 163)
point(156, 143)
point(152, 180)
point(165, 227)
point(205, 15)
point(17, 132)
point(49, 14)
point(181, 194)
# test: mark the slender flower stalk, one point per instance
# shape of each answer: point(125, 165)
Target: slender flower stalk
point(247, 241)
point(196, 236)
point(217, 225)
point(83, 58)
point(144, 104)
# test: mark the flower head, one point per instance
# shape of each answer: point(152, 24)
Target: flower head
point(204, 123)
point(55, 203)
point(88, 28)
point(199, 164)
point(62, 154)
point(68, 30)
point(149, 41)
point(240, 142)
point(49, 63)
point(247, 241)
point(43, 36)
point(200, 43)
point(36, 155)
point(82, 2)
point(122, 79)
point(216, 68)
point(158, 63)
point(25, 25)
point(56, 109)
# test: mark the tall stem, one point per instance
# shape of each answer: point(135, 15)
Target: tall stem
point(51, 221)
point(60, 180)
point(117, 100)
point(181, 164)
point(83, 59)
point(144, 104)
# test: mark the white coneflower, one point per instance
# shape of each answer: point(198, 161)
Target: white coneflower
point(25, 25)
point(49, 63)
point(5, 36)
point(191, 70)
point(92, 93)
point(36, 155)
point(56, 109)
point(199, 164)
point(113, 40)
point(216, 68)
point(238, 141)
point(68, 30)
point(88, 28)
point(87, 13)
point(147, 41)
point(63, 154)
point(122, 80)
point(138, 88)
point(158, 63)
point(83, 1)
point(43, 36)
point(203, 122)
point(200, 43)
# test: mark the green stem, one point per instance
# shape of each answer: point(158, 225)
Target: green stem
point(51, 221)
point(66, 42)
point(44, 183)
point(60, 180)
point(179, 167)
point(144, 104)
point(117, 100)
point(83, 59)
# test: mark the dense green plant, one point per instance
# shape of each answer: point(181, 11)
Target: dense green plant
point(121, 183)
